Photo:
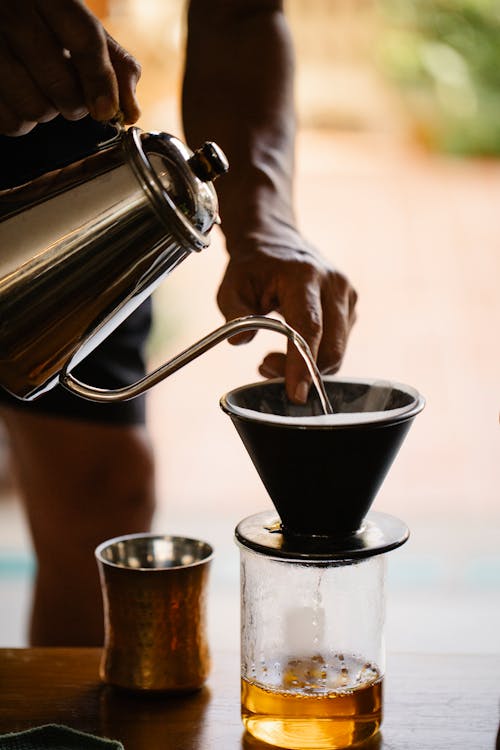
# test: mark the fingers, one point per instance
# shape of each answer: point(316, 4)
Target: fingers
point(314, 299)
point(12, 125)
point(338, 301)
point(273, 365)
point(128, 73)
point(300, 305)
point(23, 104)
point(323, 311)
point(56, 57)
point(79, 32)
point(38, 66)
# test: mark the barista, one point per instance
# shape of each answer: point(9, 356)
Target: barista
point(85, 471)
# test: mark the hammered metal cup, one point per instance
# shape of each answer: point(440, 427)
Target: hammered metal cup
point(154, 592)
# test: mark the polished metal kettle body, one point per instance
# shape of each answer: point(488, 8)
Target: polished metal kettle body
point(82, 246)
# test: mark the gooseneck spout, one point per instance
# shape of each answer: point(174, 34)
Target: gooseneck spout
point(226, 331)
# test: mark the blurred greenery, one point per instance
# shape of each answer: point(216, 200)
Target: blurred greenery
point(444, 56)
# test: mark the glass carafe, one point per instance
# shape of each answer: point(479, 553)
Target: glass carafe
point(312, 638)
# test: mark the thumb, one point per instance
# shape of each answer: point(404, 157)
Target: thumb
point(128, 72)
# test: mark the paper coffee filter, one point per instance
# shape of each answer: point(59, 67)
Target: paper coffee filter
point(354, 402)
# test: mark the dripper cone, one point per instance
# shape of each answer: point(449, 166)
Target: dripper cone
point(323, 472)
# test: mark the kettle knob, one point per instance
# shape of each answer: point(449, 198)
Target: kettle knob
point(208, 162)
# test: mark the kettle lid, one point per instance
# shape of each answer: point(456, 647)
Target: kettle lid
point(178, 182)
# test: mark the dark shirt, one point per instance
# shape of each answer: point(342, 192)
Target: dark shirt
point(48, 146)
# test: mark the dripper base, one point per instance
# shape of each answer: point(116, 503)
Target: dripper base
point(378, 533)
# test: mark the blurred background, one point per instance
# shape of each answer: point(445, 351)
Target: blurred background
point(398, 184)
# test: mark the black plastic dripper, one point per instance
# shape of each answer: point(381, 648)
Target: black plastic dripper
point(323, 472)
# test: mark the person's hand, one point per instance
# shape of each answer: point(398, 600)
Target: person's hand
point(312, 297)
point(57, 58)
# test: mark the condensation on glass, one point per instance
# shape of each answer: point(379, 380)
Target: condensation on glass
point(312, 650)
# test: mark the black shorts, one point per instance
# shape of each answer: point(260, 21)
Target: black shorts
point(120, 359)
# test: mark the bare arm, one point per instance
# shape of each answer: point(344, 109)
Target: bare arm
point(238, 91)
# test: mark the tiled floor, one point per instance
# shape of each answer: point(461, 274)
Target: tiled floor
point(419, 238)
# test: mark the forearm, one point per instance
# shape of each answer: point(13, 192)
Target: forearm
point(238, 91)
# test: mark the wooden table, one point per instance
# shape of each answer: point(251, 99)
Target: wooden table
point(432, 703)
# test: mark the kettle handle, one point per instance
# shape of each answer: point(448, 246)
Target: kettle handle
point(233, 327)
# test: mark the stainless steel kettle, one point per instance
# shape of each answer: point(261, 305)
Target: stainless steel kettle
point(81, 247)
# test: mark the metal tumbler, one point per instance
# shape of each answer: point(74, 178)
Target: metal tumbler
point(154, 592)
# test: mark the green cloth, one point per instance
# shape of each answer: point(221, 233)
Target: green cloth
point(56, 737)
